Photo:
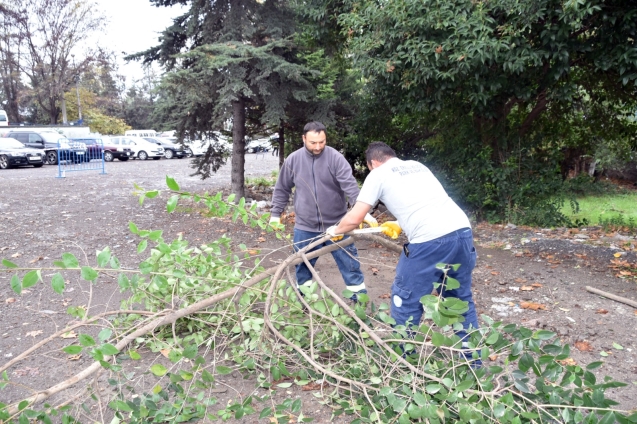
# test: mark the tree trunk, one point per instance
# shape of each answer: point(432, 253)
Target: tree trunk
point(281, 145)
point(237, 174)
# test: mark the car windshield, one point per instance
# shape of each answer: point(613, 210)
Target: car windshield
point(11, 143)
point(53, 137)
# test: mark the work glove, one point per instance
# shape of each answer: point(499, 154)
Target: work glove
point(332, 233)
point(275, 222)
point(369, 220)
point(391, 229)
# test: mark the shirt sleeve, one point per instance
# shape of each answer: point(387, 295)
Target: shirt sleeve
point(282, 188)
point(371, 190)
point(345, 178)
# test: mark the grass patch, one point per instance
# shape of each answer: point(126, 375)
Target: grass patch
point(618, 209)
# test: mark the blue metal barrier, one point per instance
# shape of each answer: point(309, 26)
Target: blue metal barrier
point(76, 156)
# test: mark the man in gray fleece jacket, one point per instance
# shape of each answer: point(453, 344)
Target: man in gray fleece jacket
point(324, 187)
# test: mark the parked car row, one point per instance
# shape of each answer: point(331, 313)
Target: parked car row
point(22, 147)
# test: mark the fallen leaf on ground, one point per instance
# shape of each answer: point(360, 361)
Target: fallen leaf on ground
point(601, 311)
point(69, 335)
point(387, 296)
point(617, 255)
point(10, 300)
point(75, 357)
point(261, 239)
point(26, 371)
point(311, 386)
point(16, 255)
point(564, 309)
point(34, 333)
point(567, 361)
point(2, 249)
point(520, 280)
point(532, 305)
point(39, 258)
point(253, 252)
point(165, 352)
point(526, 288)
point(495, 273)
point(536, 285)
point(584, 346)
point(374, 271)
point(493, 357)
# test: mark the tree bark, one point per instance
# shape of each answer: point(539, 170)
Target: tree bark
point(237, 174)
point(281, 145)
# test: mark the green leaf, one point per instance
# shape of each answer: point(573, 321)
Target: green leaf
point(594, 365)
point(57, 283)
point(437, 339)
point(70, 261)
point(618, 346)
point(16, 286)
point(284, 385)
point(105, 334)
point(132, 227)
point(30, 279)
point(493, 337)
point(159, 370)
point(267, 412)
point(155, 235)
point(120, 405)
point(109, 349)
point(86, 340)
point(190, 351)
point(89, 274)
point(8, 264)
point(223, 370)
point(172, 203)
point(73, 350)
point(171, 183)
point(134, 355)
point(142, 246)
point(543, 335)
point(103, 257)
point(151, 194)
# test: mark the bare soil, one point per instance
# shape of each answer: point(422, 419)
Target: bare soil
point(42, 216)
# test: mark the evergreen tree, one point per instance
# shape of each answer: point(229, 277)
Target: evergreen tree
point(229, 60)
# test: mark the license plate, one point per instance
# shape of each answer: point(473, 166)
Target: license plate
point(35, 158)
point(80, 153)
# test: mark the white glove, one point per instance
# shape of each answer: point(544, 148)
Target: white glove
point(275, 220)
point(332, 233)
point(370, 220)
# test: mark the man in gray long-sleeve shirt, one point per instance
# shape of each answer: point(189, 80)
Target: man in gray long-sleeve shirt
point(324, 186)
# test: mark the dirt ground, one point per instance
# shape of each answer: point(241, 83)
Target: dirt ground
point(536, 277)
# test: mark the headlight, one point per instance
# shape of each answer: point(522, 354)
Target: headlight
point(64, 145)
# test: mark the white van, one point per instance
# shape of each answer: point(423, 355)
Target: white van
point(140, 133)
point(4, 119)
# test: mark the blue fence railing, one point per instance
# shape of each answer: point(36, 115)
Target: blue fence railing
point(74, 156)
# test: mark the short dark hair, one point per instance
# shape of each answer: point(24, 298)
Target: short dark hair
point(314, 126)
point(379, 151)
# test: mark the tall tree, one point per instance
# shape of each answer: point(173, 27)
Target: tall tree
point(225, 58)
point(10, 53)
point(51, 30)
point(489, 81)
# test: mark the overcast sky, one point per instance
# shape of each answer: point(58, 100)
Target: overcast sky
point(133, 26)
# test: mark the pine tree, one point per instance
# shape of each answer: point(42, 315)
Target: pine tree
point(229, 60)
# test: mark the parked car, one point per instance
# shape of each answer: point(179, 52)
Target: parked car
point(141, 148)
point(13, 153)
point(96, 146)
point(259, 145)
point(54, 145)
point(200, 147)
point(171, 150)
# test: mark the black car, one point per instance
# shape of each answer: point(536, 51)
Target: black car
point(171, 150)
point(96, 146)
point(13, 153)
point(54, 145)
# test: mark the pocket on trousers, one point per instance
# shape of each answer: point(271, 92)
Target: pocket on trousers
point(399, 295)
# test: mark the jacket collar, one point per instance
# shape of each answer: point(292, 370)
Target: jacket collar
point(312, 155)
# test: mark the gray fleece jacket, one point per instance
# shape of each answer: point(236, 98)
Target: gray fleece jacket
point(324, 186)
